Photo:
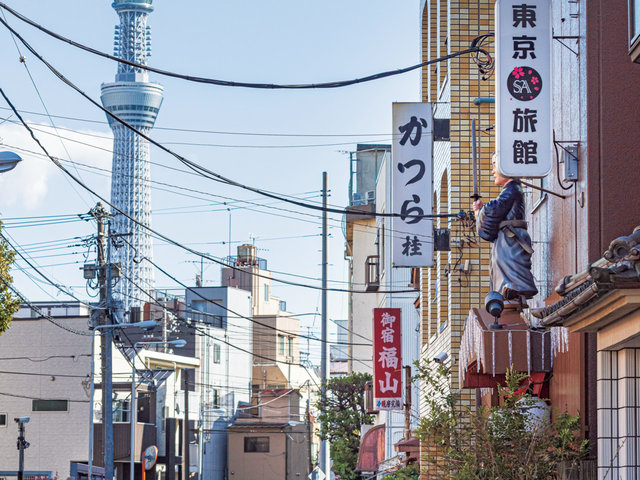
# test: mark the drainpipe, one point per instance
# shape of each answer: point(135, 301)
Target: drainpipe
point(286, 456)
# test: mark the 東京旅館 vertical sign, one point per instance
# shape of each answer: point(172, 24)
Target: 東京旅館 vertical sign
point(523, 87)
point(412, 185)
point(387, 359)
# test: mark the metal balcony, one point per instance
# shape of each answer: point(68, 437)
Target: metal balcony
point(372, 273)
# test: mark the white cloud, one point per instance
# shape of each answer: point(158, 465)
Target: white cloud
point(36, 181)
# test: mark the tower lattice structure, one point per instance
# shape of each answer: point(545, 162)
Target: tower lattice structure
point(137, 101)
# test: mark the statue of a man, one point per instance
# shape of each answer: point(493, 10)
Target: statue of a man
point(502, 221)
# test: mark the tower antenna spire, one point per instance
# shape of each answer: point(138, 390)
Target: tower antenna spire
point(137, 101)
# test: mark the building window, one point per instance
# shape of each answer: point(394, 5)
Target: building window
point(256, 444)
point(49, 405)
point(281, 344)
point(3, 419)
point(266, 292)
point(121, 411)
point(216, 398)
point(216, 353)
point(634, 30)
point(634, 21)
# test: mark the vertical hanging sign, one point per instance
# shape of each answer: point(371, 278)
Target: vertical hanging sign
point(387, 359)
point(523, 87)
point(412, 185)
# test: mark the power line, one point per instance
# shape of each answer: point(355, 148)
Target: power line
point(226, 83)
point(203, 171)
point(15, 395)
point(215, 145)
point(214, 132)
point(37, 309)
point(49, 357)
point(35, 87)
point(227, 309)
point(164, 237)
point(181, 189)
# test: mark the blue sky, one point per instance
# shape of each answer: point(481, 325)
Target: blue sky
point(271, 42)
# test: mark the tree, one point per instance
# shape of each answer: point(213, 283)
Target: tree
point(9, 303)
point(506, 442)
point(412, 472)
point(341, 417)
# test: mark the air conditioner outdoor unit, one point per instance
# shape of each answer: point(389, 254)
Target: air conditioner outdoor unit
point(356, 199)
point(371, 196)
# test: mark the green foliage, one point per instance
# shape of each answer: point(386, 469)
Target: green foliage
point(505, 442)
point(412, 472)
point(340, 419)
point(9, 303)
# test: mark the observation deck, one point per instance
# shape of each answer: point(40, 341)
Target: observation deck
point(137, 103)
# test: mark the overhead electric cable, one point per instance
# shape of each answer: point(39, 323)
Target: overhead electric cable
point(38, 310)
point(164, 237)
point(205, 172)
point(227, 309)
point(226, 83)
point(212, 132)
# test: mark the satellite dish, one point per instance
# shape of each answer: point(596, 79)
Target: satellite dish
point(8, 161)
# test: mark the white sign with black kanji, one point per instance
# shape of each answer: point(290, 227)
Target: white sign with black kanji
point(523, 88)
point(412, 185)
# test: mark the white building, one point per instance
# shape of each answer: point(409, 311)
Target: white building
point(44, 374)
point(224, 346)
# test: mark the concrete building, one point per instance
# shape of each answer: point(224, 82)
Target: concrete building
point(593, 226)
point(339, 353)
point(571, 227)
point(276, 332)
point(225, 349)
point(368, 249)
point(45, 362)
point(363, 244)
point(271, 440)
point(402, 279)
point(164, 379)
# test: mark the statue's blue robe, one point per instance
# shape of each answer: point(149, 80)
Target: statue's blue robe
point(510, 263)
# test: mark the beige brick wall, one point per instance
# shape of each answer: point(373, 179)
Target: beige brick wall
point(447, 297)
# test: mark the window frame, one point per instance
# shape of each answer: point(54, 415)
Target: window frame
point(124, 412)
point(6, 419)
point(247, 444)
point(216, 354)
point(34, 400)
point(634, 36)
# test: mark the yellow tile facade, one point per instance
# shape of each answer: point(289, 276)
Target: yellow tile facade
point(447, 294)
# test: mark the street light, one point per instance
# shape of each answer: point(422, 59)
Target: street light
point(107, 423)
point(8, 161)
point(133, 410)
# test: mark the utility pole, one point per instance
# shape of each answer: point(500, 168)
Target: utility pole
point(106, 339)
point(186, 375)
point(325, 462)
point(22, 444)
point(308, 420)
point(407, 402)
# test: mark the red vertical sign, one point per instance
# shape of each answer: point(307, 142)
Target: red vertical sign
point(387, 359)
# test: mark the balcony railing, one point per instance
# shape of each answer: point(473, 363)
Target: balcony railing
point(372, 273)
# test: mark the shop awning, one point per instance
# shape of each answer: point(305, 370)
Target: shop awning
point(486, 354)
point(371, 450)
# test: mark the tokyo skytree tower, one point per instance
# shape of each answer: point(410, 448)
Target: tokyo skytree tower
point(137, 101)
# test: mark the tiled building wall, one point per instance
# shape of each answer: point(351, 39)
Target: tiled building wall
point(448, 294)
